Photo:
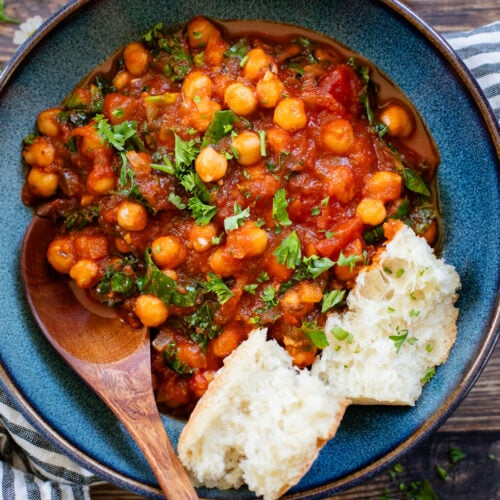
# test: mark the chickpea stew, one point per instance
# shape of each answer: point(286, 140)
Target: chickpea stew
point(210, 182)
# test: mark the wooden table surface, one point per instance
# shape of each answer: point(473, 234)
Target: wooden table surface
point(474, 428)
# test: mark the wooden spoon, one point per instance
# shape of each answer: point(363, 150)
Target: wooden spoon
point(112, 357)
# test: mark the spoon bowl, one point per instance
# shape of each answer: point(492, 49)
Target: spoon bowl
point(109, 355)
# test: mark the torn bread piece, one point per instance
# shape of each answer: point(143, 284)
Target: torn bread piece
point(261, 422)
point(399, 325)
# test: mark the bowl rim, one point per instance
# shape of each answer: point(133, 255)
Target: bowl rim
point(490, 337)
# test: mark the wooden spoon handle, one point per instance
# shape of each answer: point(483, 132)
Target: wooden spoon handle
point(159, 452)
point(136, 408)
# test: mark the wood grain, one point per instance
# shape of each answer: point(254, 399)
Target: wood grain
point(475, 426)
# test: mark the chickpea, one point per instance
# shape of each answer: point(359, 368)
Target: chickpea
point(42, 183)
point(290, 114)
point(249, 240)
point(383, 185)
point(227, 342)
point(90, 141)
point(257, 63)
point(210, 165)
point(347, 272)
point(196, 84)
point(322, 54)
point(41, 153)
point(61, 255)
point(278, 139)
point(200, 237)
point(85, 273)
point(338, 136)
point(371, 211)
point(122, 246)
point(136, 58)
point(150, 310)
point(199, 32)
point(247, 146)
point(202, 113)
point(191, 354)
point(269, 90)
point(310, 293)
point(91, 246)
point(299, 300)
point(340, 183)
point(168, 251)
point(214, 51)
point(100, 182)
point(171, 273)
point(132, 216)
point(397, 119)
point(122, 79)
point(223, 263)
point(47, 122)
point(431, 232)
point(240, 99)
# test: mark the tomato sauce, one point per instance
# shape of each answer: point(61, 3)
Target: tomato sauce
point(224, 177)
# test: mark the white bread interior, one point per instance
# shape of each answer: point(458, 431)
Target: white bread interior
point(261, 422)
point(408, 291)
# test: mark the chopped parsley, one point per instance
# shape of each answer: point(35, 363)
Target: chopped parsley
point(203, 213)
point(235, 221)
point(280, 204)
point(340, 334)
point(429, 374)
point(315, 334)
point(220, 126)
point(164, 287)
point(115, 135)
point(216, 285)
point(401, 337)
point(315, 265)
point(289, 252)
point(331, 299)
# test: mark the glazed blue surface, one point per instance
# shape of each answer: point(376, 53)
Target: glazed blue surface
point(468, 178)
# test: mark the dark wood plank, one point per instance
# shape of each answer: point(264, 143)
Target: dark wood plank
point(456, 15)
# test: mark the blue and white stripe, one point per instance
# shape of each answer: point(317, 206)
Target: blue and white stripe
point(480, 51)
point(31, 467)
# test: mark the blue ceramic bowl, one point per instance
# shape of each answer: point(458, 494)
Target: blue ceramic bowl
point(81, 36)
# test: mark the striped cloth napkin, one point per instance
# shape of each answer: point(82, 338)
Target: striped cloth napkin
point(32, 468)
